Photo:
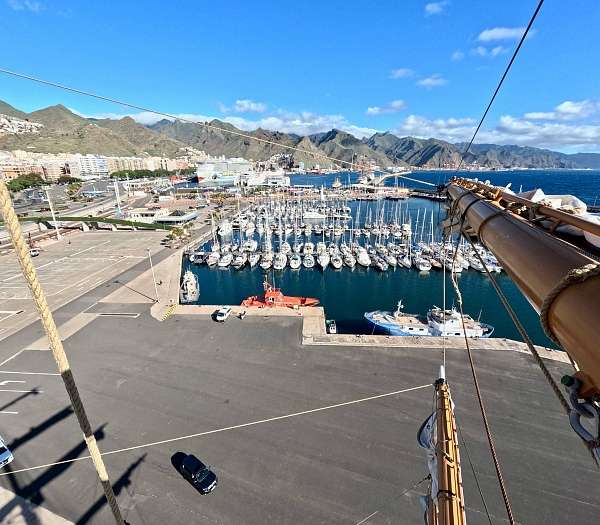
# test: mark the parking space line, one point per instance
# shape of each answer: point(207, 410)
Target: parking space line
point(12, 357)
point(29, 373)
point(58, 260)
point(24, 391)
point(367, 518)
point(8, 412)
point(223, 429)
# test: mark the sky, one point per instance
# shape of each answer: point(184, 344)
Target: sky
point(412, 67)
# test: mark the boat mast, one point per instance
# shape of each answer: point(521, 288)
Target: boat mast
point(445, 501)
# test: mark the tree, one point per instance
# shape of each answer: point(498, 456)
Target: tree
point(31, 180)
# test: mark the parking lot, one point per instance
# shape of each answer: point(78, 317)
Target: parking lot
point(294, 434)
point(69, 268)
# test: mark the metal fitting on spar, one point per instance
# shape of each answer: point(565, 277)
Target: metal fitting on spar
point(586, 409)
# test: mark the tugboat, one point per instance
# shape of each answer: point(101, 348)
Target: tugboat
point(274, 297)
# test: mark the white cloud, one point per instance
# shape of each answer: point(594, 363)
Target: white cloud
point(402, 72)
point(435, 8)
point(243, 105)
point(249, 106)
point(25, 5)
point(393, 107)
point(567, 110)
point(501, 33)
point(432, 81)
point(451, 129)
point(457, 55)
point(483, 51)
point(521, 131)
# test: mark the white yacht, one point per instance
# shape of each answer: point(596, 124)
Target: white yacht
point(323, 259)
point(309, 261)
point(225, 260)
point(253, 259)
point(280, 261)
point(213, 258)
point(190, 291)
point(336, 261)
point(362, 258)
point(295, 261)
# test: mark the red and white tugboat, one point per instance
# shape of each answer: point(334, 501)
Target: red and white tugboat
point(274, 297)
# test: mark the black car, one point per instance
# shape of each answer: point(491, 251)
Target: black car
point(198, 474)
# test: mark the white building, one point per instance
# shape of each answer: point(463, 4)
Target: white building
point(92, 165)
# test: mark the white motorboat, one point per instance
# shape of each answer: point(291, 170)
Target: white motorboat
point(336, 261)
point(190, 291)
point(240, 260)
point(309, 261)
point(253, 259)
point(295, 261)
point(225, 260)
point(280, 261)
point(213, 258)
point(323, 259)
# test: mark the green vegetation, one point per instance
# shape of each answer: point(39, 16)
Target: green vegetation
point(31, 180)
point(142, 174)
point(67, 179)
point(73, 189)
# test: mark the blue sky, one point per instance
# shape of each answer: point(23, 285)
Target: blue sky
point(413, 67)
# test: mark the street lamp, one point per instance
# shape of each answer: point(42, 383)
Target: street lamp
point(58, 236)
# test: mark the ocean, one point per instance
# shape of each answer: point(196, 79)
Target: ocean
point(347, 294)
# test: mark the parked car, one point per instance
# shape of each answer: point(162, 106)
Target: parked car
point(222, 314)
point(34, 252)
point(198, 474)
point(5, 454)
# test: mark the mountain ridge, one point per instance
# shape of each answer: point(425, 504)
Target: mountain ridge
point(66, 131)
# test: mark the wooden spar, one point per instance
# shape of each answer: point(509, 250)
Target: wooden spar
point(538, 262)
point(450, 508)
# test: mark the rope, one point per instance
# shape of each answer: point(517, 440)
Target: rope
point(487, 512)
point(521, 329)
point(574, 276)
point(207, 125)
point(514, 56)
point(486, 424)
point(16, 234)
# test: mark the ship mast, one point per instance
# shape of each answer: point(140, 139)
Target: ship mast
point(445, 501)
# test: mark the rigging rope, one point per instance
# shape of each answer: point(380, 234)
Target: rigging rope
point(514, 56)
point(486, 424)
point(464, 442)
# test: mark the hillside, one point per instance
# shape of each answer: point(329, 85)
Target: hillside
point(65, 131)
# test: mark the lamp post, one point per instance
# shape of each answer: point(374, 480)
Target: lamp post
point(58, 236)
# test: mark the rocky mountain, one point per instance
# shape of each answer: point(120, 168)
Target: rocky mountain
point(65, 131)
point(429, 153)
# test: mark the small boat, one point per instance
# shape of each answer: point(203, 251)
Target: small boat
point(309, 261)
point(280, 261)
point(363, 258)
point(295, 261)
point(213, 258)
point(323, 259)
point(240, 260)
point(253, 259)
point(336, 261)
point(274, 297)
point(267, 260)
point(331, 326)
point(349, 260)
point(225, 260)
point(190, 291)
point(336, 183)
point(309, 248)
point(225, 228)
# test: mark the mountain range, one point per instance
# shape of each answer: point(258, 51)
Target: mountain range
point(65, 131)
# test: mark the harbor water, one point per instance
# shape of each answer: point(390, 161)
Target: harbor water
point(346, 294)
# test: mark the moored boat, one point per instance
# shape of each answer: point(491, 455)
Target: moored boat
point(274, 297)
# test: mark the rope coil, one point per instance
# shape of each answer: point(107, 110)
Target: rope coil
point(573, 277)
